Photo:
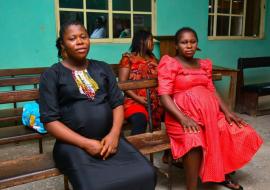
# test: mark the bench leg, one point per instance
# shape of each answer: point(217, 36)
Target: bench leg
point(40, 145)
point(167, 173)
point(66, 187)
point(250, 103)
point(170, 171)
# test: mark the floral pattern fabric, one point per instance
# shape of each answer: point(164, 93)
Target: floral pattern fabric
point(141, 68)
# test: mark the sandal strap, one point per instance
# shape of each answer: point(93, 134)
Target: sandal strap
point(231, 182)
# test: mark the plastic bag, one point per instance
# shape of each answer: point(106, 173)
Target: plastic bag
point(31, 117)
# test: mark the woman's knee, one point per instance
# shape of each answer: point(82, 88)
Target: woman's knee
point(138, 122)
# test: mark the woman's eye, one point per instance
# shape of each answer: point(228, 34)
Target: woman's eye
point(72, 39)
point(84, 35)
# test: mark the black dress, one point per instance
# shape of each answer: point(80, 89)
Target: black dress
point(60, 99)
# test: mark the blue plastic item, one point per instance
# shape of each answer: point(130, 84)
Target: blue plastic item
point(31, 117)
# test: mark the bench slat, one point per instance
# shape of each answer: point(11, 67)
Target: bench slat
point(19, 81)
point(17, 133)
point(131, 85)
point(31, 168)
point(216, 76)
point(10, 115)
point(253, 62)
point(18, 96)
point(22, 71)
point(149, 143)
point(261, 88)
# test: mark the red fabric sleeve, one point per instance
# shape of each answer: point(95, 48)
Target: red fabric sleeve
point(125, 62)
point(207, 66)
point(168, 69)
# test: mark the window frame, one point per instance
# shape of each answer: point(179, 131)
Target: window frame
point(110, 12)
point(230, 14)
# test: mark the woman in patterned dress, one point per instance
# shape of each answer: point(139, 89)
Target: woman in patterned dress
point(139, 64)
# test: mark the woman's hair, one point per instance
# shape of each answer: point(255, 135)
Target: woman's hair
point(181, 31)
point(63, 28)
point(139, 42)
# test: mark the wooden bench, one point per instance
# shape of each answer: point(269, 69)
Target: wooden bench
point(32, 168)
point(10, 118)
point(11, 128)
point(248, 94)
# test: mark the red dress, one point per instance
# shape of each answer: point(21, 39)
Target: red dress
point(141, 68)
point(226, 147)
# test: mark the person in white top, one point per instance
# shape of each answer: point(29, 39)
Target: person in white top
point(99, 31)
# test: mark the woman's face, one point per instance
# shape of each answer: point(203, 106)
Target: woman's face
point(187, 44)
point(76, 43)
point(149, 44)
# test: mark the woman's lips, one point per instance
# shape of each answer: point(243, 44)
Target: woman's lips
point(81, 50)
point(189, 52)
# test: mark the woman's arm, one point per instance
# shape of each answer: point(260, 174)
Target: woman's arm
point(188, 124)
point(63, 133)
point(223, 106)
point(124, 76)
point(230, 116)
point(110, 141)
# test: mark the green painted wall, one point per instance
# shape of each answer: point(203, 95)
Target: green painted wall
point(28, 34)
point(178, 13)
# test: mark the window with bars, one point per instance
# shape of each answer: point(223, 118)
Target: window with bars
point(109, 20)
point(236, 19)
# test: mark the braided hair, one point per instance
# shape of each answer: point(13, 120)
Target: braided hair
point(63, 28)
point(181, 31)
point(139, 42)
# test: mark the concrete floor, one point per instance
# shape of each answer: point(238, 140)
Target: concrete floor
point(254, 176)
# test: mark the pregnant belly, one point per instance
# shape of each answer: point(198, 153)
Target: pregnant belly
point(196, 99)
point(92, 121)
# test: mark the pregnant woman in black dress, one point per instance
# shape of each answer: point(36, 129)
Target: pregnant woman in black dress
point(81, 106)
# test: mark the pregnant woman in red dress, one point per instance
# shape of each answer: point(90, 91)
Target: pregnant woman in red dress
point(212, 140)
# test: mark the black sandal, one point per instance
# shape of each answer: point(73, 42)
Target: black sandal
point(229, 183)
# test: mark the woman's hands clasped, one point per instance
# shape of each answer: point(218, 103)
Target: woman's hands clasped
point(104, 148)
point(93, 147)
point(110, 144)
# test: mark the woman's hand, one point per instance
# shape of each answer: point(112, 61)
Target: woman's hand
point(189, 125)
point(93, 147)
point(110, 144)
point(142, 100)
point(232, 117)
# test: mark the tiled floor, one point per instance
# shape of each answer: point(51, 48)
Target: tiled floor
point(254, 176)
